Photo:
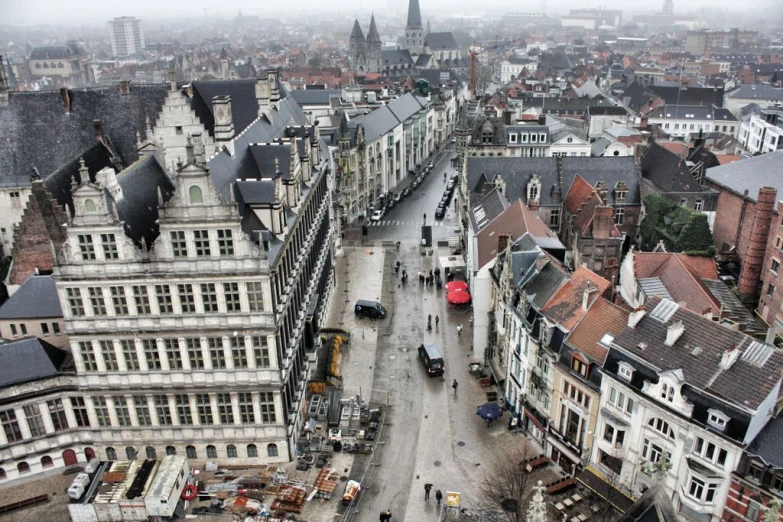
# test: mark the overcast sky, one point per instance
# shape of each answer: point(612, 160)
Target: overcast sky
point(30, 12)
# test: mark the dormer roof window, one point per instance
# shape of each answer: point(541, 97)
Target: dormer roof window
point(717, 419)
point(625, 371)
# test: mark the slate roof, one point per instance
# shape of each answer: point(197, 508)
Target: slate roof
point(757, 363)
point(59, 52)
point(244, 106)
point(562, 106)
point(546, 282)
point(37, 297)
point(693, 112)
point(517, 172)
point(653, 506)
point(760, 92)
point(414, 15)
point(440, 42)
point(376, 123)
point(603, 317)
point(668, 171)
point(565, 306)
point(314, 96)
point(732, 307)
point(396, 57)
point(606, 110)
point(487, 209)
point(37, 132)
point(750, 174)
point(30, 359)
point(673, 95)
point(768, 444)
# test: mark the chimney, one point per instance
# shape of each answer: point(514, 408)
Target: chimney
point(507, 117)
point(603, 222)
point(635, 316)
point(108, 180)
point(306, 159)
point(729, 357)
point(278, 182)
point(503, 240)
point(274, 85)
point(542, 119)
point(125, 87)
point(97, 126)
point(588, 291)
point(752, 265)
point(674, 332)
point(263, 93)
point(66, 99)
point(224, 120)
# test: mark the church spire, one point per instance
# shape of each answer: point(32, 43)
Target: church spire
point(356, 34)
point(414, 15)
point(372, 34)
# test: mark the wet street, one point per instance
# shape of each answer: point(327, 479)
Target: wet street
point(432, 434)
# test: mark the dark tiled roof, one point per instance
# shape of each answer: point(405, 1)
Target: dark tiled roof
point(440, 41)
point(487, 209)
point(545, 283)
point(244, 106)
point(708, 96)
point(768, 444)
point(668, 171)
point(37, 297)
point(732, 307)
point(96, 157)
point(314, 96)
point(62, 52)
point(751, 174)
point(30, 359)
point(607, 110)
point(396, 57)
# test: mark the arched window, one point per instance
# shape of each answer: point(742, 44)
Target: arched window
point(190, 451)
point(231, 451)
point(684, 202)
point(130, 453)
point(151, 453)
point(699, 205)
point(662, 427)
point(2, 474)
point(252, 450)
point(111, 454)
point(211, 452)
point(89, 206)
point(271, 450)
point(47, 462)
point(23, 467)
point(196, 197)
point(171, 450)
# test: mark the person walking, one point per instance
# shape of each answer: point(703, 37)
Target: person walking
point(425, 219)
point(459, 330)
point(437, 320)
point(427, 488)
point(438, 494)
point(454, 385)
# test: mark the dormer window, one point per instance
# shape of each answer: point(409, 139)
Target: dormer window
point(512, 137)
point(625, 371)
point(89, 206)
point(579, 366)
point(667, 392)
point(196, 196)
point(717, 419)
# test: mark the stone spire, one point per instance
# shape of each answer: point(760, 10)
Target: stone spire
point(414, 15)
point(536, 510)
point(357, 36)
point(372, 34)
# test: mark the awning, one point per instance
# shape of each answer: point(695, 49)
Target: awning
point(458, 297)
point(452, 262)
point(594, 481)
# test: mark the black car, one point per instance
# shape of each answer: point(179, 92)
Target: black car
point(407, 190)
point(372, 309)
point(440, 212)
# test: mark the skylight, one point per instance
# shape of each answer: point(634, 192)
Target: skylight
point(664, 310)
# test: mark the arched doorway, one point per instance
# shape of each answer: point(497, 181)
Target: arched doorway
point(89, 453)
point(69, 457)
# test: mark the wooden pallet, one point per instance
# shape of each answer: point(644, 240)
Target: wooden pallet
point(326, 482)
point(290, 499)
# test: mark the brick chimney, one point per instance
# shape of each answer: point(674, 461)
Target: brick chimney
point(602, 222)
point(753, 263)
point(503, 240)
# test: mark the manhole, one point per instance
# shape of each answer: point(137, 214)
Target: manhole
point(460, 443)
point(436, 463)
point(343, 478)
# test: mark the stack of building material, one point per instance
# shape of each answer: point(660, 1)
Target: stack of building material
point(326, 483)
point(291, 498)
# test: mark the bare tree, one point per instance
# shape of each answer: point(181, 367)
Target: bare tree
point(506, 487)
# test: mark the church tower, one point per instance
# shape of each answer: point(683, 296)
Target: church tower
point(357, 48)
point(414, 32)
point(373, 48)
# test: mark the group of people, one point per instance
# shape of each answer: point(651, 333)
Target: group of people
point(429, 322)
point(438, 493)
point(429, 280)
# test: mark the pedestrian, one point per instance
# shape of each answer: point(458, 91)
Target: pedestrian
point(430, 273)
point(438, 494)
point(454, 385)
point(427, 488)
point(459, 330)
point(388, 515)
point(437, 320)
point(425, 218)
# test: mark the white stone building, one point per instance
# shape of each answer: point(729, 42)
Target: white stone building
point(679, 121)
point(763, 132)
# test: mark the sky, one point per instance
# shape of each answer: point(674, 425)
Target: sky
point(31, 12)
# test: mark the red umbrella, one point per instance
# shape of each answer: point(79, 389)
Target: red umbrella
point(458, 297)
point(456, 285)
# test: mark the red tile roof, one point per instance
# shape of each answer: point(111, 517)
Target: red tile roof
point(681, 274)
point(565, 307)
point(602, 317)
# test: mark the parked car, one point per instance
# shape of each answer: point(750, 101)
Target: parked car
point(377, 215)
point(431, 165)
point(453, 140)
point(397, 197)
point(372, 309)
point(440, 212)
point(406, 191)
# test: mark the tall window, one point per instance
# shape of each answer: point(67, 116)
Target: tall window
point(34, 420)
point(130, 356)
point(57, 414)
point(194, 192)
point(204, 407)
point(216, 353)
point(186, 299)
point(101, 411)
point(667, 392)
point(554, 218)
point(662, 427)
point(699, 205)
point(619, 216)
point(88, 356)
point(252, 451)
point(179, 246)
point(239, 352)
point(80, 412)
point(86, 247)
point(122, 411)
point(255, 296)
point(183, 410)
point(142, 408)
point(224, 408)
point(700, 489)
point(142, 299)
point(195, 355)
point(190, 452)
point(201, 241)
point(97, 302)
point(109, 356)
point(75, 303)
point(111, 454)
point(267, 401)
point(163, 296)
point(261, 351)
point(620, 400)
point(231, 451)
point(118, 300)
point(231, 294)
point(151, 453)
point(271, 450)
point(109, 243)
point(151, 354)
point(653, 452)
point(10, 426)
point(173, 355)
point(225, 242)
point(211, 452)
point(163, 410)
point(209, 298)
point(171, 450)
point(246, 414)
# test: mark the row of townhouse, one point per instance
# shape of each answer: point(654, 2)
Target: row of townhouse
point(761, 131)
point(657, 394)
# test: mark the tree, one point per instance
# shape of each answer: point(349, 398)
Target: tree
point(314, 62)
point(680, 228)
point(504, 488)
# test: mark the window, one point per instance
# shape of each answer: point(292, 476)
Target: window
point(163, 410)
point(23, 467)
point(209, 298)
point(231, 294)
point(662, 427)
point(122, 411)
point(554, 218)
point(702, 490)
point(151, 354)
point(75, 303)
point(57, 414)
point(96, 300)
point(118, 300)
point(109, 356)
point(151, 453)
point(171, 450)
point(142, 300)
point(194, 192)
point(34, 420)
point(620, 195)
point(575, 394)
point(211, 452)
point(271, 450)
point(770, 290)
point(710, 451)
point(717, 419)
point(86, 247)
point(775, 265)
point(56, 328)
point(261, 351)
point(163, 296)
point(89, 206)
point(195, 355)
point(23, 327)
point(625, 371)
point(183, 410)
point(571, 425)
point(80, 412)
point(225, 243)
point(173, 354)
point(753, 511)
point(47, 462)
point(699, 204)
point(13, 330)
point(88, 356)
point(231, 451)
point(130, 356)
point(255, 296)
point(619, 216)
point(130, 452)
point(142, 408)
point(777, 483)
point(45, 328)
point(653, 452)
point(204, 409)
point(246, 414)
point(109, 242)
point(216, 353)
point(620, 400)
point(267, 400)
point(579, 367)
point(614, 436)
point(224, 408)
point(201, 240)
point(239, 352)
point(179, 247)
point(190, 451)
point(101, 411)
point(667, 392)
point(252, 451)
